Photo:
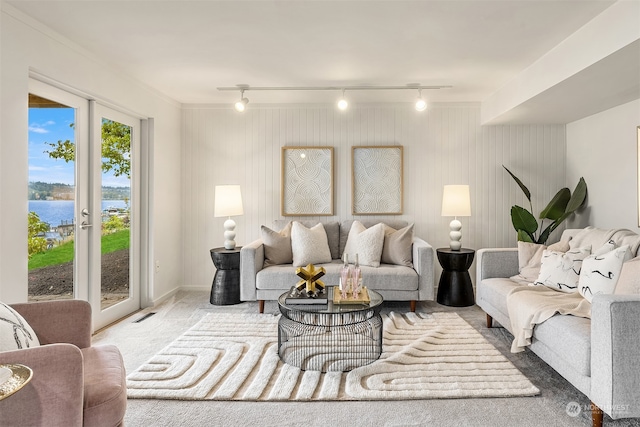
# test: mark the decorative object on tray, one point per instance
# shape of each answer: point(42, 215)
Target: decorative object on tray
point(311, 280)
point(350, 298)
point(12, 378)
point(297, 296)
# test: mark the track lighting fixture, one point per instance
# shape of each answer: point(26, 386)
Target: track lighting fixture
point(421, 104)
point(241, 105)
point(342, 102)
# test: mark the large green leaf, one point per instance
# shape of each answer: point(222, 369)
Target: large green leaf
point(522, 219)
point(544, 236)
point(578, 197)
point(523, 236)
point(556, 207)
point(523, 187)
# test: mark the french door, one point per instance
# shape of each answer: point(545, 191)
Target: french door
point(100, 184)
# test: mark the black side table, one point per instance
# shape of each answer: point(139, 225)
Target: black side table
point(225, 289)
point(455, 288)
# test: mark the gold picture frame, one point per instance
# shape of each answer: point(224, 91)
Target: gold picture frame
point(377, 180)
point(307, 181)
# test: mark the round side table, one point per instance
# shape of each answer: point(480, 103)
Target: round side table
point(225, 289)
point(455, 288)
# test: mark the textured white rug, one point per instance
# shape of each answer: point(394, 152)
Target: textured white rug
point(235, 357)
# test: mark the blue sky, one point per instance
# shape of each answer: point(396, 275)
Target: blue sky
point(51, 125)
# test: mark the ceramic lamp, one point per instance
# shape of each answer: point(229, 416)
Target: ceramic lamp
point(456, 202)
point(228, 202)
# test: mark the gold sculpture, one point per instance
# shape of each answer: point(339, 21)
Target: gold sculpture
point(311, 279)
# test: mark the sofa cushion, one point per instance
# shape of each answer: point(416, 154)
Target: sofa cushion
point(345, 227)
point(495, 291)
point(331, 228)
point(284, 276)
point(15, 332)
point(397, 246)
point(365, 243)
point(105, 391)
point(561, 270)
point(277, 245)
point(600, 272)
point(309, 245)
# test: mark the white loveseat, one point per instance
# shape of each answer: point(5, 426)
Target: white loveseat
point(393, 282)
point(598, 355)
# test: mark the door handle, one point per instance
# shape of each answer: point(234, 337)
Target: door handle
point(84, 225)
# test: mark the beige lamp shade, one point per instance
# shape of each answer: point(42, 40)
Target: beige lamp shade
point(228, 202)
point(456, 202)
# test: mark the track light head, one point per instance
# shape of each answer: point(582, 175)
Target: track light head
point(241, 105)
point(343, 104)
point(421, 104)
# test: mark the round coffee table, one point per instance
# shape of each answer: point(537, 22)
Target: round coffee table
point(330, 337)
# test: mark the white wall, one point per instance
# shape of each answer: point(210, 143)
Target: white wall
point(444, 145)
point(603, 148)
point(26, 46)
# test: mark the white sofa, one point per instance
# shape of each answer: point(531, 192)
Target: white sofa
point(597, 355)
point(393, 282)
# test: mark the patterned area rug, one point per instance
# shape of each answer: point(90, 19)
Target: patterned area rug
point(235, 357)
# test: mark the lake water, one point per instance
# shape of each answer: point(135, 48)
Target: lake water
point(55, 212)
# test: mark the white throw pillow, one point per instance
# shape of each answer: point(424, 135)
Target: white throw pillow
point(366, 242)
point(629, 282)
point(561, 270)
point(277, 245)
point(600, 272)
point(397, 246)
point(15, 332)
point(309, 245)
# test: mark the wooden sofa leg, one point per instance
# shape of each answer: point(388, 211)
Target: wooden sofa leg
point(489, 321)
point(412, 305)
point(596, 415)
point(261, 306)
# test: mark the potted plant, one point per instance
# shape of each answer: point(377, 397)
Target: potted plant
point(563, 204)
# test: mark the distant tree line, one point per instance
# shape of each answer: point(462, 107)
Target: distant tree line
point(55, 191)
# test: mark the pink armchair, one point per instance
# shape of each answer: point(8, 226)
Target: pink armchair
point(73, 384)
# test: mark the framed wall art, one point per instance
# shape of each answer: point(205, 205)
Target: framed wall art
point(307, 181)
point(376, 180)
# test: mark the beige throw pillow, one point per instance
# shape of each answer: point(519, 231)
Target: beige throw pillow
point(529, 261)
point(309, 245)
point(629, 281)
point(397, 246)
point(366, 242)
point(277, 245)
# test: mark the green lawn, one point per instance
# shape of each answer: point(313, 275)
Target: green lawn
point(64, 253)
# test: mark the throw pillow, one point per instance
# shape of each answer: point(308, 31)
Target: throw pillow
point(629, 281)
point(600, 272)
point(309, 245)
point(15, 332)
point(561, 271)
point(529, 261)
point(366, 242)
point(277, 245)
point(397, 246)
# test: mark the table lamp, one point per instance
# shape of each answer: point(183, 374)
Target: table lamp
point(228, 202)
point(456, 202)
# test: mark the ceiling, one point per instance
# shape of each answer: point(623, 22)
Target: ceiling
point(187, 49)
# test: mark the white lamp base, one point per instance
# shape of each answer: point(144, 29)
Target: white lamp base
point(455, 235)
point(229, 234)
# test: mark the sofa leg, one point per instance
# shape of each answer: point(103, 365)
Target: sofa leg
point(261, 306)
point(489, 321)
point(596, 415)
point(412, 305)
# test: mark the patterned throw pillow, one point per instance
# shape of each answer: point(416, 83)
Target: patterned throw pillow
point(601, 271)
point(309, 245)
point(366, 242)
point(15, 332)
point(561, 270)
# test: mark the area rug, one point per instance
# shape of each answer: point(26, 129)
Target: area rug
point(235, 357)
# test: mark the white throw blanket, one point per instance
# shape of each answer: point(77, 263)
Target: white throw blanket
point(531, 305)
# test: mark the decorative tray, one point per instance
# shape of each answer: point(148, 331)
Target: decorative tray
point(363, 297)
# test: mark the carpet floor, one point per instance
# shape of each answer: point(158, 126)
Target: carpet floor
point(235, 357)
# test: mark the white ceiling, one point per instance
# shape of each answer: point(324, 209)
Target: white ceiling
point(186, 49)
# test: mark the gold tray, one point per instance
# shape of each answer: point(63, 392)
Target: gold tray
point(363, 298)
point(21, 375)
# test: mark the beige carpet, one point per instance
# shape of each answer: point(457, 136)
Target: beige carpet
point(234, 357)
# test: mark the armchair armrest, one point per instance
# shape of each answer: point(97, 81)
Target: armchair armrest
point(61, 321)
point(55, 394)
point(496, 262)
point(251, 261)
point(615, 340)
point(424, 264)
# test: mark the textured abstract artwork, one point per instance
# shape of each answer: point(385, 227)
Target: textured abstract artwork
point(307, 181)
point(376, 180)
